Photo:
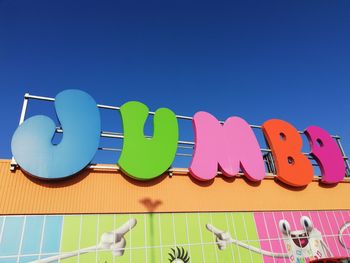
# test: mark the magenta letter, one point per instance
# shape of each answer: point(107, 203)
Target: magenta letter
point(327, 154)
point(232, 145)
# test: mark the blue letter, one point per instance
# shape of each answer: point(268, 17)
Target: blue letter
point(32, 145)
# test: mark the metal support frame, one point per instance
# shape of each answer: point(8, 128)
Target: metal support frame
point(267, 153)
point(346, 159)
point(13, 163)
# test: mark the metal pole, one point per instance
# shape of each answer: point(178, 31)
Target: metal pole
point(109, 107)
point(13, 164)
point(347, 165)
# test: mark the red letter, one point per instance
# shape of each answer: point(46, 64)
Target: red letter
point(292, 166)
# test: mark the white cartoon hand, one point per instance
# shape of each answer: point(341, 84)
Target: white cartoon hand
point(115, 240)
point(222, 238)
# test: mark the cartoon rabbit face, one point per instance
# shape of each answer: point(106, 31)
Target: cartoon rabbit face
point(305, 243)
point(299, 237)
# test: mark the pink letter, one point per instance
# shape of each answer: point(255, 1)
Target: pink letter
point(232, 146)
point(327, 154)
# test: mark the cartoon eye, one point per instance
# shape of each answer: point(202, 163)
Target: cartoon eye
point(179, 256)
point(284, 227)
point(306, 223)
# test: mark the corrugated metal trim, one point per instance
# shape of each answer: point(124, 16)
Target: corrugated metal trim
point(102, 191)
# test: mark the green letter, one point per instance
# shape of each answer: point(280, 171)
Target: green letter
point(146, 158)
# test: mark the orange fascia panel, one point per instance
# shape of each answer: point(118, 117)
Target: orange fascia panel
point(96, 191)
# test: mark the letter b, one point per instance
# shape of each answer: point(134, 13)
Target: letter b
point(292, 166)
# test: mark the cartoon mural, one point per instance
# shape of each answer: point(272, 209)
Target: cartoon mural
point(286, 236)
point(113, 241)
point(300, 244)
point(305, 243)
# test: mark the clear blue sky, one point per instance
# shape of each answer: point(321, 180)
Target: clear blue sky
point(253, 59)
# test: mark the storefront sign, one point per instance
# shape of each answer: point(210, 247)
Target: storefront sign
point(232, 146)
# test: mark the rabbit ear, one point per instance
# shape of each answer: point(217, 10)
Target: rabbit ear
point(284, 227)
point(306, 223)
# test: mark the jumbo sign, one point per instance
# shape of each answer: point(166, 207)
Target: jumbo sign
point(231, 146)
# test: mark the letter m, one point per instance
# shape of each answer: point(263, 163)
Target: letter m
point(232, 146)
